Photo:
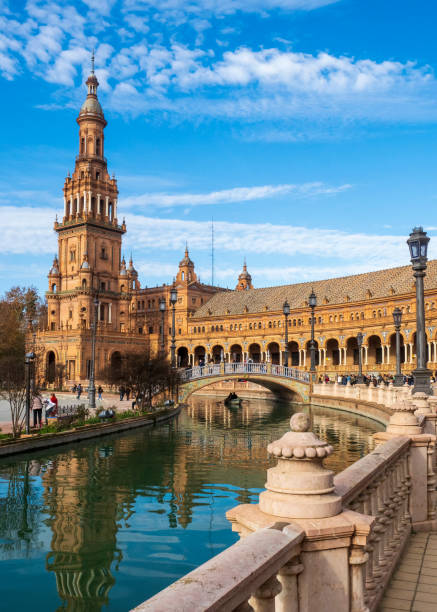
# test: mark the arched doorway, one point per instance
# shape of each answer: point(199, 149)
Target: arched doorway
point(51, 367)
point(293, 351)
point(316, 353)
point(374, 351)
point(199, 355)
point(236, 353)
point(255, 352)
point(392, 344)
point(274, 352)
point(182, 357)
point(332, 352)
point(352, 356)
point(115, 367)
point(217, 353)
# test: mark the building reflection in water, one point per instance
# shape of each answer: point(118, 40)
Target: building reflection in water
point(93, 501)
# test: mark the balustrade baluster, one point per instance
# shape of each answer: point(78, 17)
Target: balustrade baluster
point(357, 559)
point(431, 481)
point(263, 599)
point(288, 600)
point(369, 581)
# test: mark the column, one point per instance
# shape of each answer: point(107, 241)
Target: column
point(434, 351)
point(388, 353)
point(345, 355)
point(84, 202)
point(411, 351)
point(109, 313)
point(304, 357)
point(99, 210)
point(365, 354)
point(78, 204)
point(429, 352)
point(115, 208)
point(340, 355)
point(107, 206)
point(89, 203)
point(324, 357)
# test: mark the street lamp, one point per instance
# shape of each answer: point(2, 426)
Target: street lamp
point(28, 362)
point(397, 319)
point(92, 385)
point(162, 310)
point(360, 378)
point(286, 311)
point(312, 300)
point(173, 300)
point(418, 244)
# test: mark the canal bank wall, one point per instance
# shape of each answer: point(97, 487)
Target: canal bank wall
point(84, 432)
point(376, 412)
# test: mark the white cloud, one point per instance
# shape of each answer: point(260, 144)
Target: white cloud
point(237, 194)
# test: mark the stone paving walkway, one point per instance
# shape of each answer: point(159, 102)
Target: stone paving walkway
point(413, 586)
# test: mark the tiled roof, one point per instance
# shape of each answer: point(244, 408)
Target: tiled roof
point(359, 287)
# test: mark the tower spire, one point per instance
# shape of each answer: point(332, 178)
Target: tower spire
point(92, 61)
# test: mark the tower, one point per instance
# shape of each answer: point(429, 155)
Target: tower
point(244, 280)
point(186, 273)
point(88, 262)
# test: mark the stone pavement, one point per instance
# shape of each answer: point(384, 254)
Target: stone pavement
point(413, 586)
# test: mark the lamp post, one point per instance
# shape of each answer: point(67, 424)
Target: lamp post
point(360, 378)
point(173, 300)
point(286, 311)
point(312, 300)
point(418, 245)
point(162, 310)
point(28, 362)
point(92, 383)
point(397, 319)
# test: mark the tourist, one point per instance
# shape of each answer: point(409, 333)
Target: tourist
point(54, 401)
point(122, 391)
point(79, 391)
point(37, 409)
point(127, 393)
point(99, 392)
point(74, 388)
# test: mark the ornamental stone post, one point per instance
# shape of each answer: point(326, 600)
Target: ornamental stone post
point(300, 490)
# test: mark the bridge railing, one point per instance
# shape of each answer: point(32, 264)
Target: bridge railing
point(249, 569)
point(217, 369)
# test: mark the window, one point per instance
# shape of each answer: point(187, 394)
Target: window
point(102, 286)
point(84, 283)
point(179, 331)
point(193, 300)
point(82, 145)
point(53, 326)
point(150, 330)
point(97, 146)
point(183, 276)
point(140, 330)
point(72, 255)
point(54, 287)
point(270, 325)
point(70, 314)
point(97, 176)
point(103, 253)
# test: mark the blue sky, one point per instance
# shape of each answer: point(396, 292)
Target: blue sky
point(305, 128)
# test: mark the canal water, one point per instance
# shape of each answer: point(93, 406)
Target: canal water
point(105, 524)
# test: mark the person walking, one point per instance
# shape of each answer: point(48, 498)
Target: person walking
point(122, 391)
point(79, 391)
point(99, 392)
point(54, 401)
point(127, 393)
point(37, 409)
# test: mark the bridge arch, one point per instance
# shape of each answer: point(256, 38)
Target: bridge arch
point(292, 390)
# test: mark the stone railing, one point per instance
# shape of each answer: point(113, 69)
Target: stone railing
point(261, 568)
point(315, 542)
point(221, 369)
point(385, 395)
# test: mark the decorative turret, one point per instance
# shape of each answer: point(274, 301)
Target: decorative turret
point(244, 280)
point(123, 271)
point(186, 273)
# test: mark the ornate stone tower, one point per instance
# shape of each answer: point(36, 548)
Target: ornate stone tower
point(244, 280)
point(89, 249)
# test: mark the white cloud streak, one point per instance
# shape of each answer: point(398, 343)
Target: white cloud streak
point(226, 196)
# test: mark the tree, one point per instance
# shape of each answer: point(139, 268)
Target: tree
point(21, 311)
point(146, 376)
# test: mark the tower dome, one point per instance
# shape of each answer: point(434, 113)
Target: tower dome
point(244, 280)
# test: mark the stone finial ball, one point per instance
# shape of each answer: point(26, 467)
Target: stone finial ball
point(300, 422)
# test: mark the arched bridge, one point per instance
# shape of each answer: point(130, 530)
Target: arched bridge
point(277, 378)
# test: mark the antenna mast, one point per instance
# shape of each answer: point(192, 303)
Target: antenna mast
point(212, 251)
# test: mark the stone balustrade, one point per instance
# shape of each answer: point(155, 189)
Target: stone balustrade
point(319, 542)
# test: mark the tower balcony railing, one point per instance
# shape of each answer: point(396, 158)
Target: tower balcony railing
point(88, 157)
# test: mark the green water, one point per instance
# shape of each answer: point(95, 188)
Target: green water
point(104, 525)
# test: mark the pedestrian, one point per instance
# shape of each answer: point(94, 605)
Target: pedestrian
point(99, 392)
point(79, 391)
point(37, 409)
point(127, 393)
point(122, 391)
point(54, 401)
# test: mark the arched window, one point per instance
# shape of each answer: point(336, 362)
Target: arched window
point(183, 275)
point(84, 283)
point(97, 146)
point(82, 145)
point(54, 287)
